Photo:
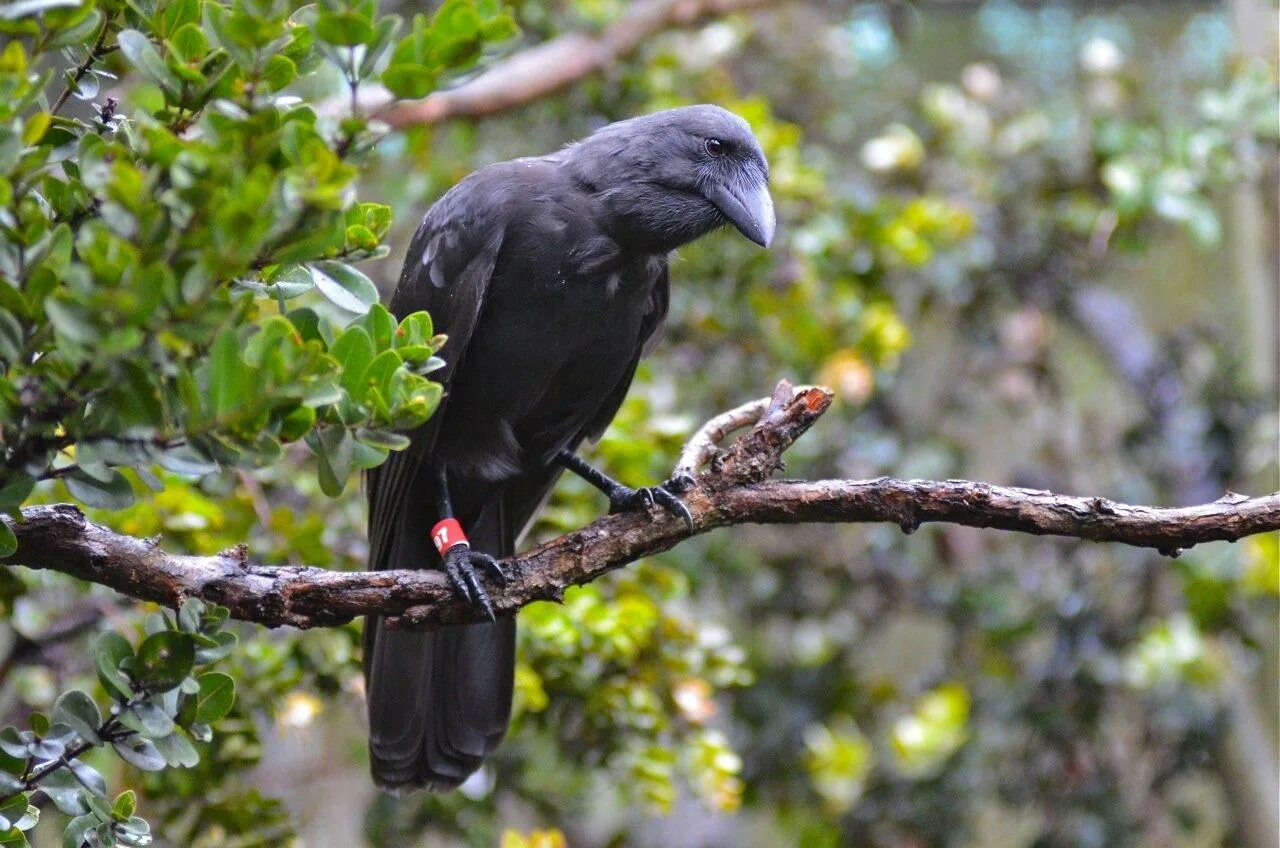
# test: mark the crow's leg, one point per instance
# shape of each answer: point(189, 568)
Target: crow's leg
point(459, 560)
point(624, 498)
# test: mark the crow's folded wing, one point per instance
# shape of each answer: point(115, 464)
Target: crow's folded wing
point(447, 271)
point(655, 319)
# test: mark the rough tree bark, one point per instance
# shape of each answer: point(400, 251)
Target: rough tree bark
point(734, 489)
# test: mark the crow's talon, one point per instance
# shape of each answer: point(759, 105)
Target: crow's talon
point(665, 495)
point(495, 569)
point(672, 504)
point(460, 567)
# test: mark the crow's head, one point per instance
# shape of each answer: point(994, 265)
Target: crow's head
point(670, 177)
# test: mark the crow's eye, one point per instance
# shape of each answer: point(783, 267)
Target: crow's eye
point(715, 147)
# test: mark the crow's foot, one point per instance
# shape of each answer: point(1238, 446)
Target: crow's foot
point(460, 566)
point(666, 495)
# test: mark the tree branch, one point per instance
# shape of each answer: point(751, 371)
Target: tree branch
point(735, 489)
point(553, 65)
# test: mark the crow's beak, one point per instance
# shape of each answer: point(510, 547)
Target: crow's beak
point(748, 207)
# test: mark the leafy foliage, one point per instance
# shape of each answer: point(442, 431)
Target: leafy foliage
point(179, 303)
point(159, 259)
point(188, 272)
point(161, 708)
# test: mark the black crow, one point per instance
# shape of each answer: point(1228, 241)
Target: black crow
point(549, 276)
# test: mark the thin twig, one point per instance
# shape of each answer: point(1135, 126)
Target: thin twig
point(95, 53)
point(544, 69)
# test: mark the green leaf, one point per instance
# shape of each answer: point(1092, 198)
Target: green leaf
point(11, 742)
point(65, 792)
point(10, 782)
point(16, 813)
point(78, 831)
point(354, 352)
point(78, 711)
point(8, 541)
point(188, 43)
point(164, 659)
point(11, 337)
point(186, 461)
point(365, 456)
point(383, 438)
point(177, 750)
point(298, 423)
point(112, 653)
point(148, 719)
point(279, 72)
point(287, 282)
point(386, 29)
point(228, 376)
point(135, 831)
point(71, 321)
point(217, 23)
point(17, 487)
point(334, 448)
point(499, 28)
point(416, 330)
point(142, 54)
point(190, 615)
point(343, 285)
point(113, 493)
point(346, 29)
point(178, 13)
point(409, 80)
point(217, 696)
point(223, 644)
point(126, 804)
point(88, 777)
point(379, 324)
point(140, 753)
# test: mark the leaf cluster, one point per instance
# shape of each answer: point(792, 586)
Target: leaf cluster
point(161, 702)
point(176, 278)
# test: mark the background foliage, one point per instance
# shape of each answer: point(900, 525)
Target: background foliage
point(1011, 240)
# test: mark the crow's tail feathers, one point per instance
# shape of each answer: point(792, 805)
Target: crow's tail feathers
point(439, 702)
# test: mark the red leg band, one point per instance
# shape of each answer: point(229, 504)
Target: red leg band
point(448, 533)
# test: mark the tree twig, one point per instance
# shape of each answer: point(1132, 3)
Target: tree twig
point(734, 490)
point(96, 52)
point(546, 68)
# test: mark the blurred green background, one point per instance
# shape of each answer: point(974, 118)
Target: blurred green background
point(1033, 244)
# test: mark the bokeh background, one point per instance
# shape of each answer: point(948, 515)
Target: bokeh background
point(1032, 244)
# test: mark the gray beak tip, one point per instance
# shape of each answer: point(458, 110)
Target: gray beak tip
point(766, 230)
point(767, 220)
point(749, 209)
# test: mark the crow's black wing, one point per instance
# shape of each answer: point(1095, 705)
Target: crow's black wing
point(655, 320)
point(526, 494)
point(438, 702)
point(447, 271)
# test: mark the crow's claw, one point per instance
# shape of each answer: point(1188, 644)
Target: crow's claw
point(672, 504)
point(460, 564)
point(665, 495)
point(496, 572)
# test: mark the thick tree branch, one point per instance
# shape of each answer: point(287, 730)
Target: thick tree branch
point(735, 489)
point(553, 65)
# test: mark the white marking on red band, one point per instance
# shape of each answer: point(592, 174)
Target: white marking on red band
point(448, 534)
